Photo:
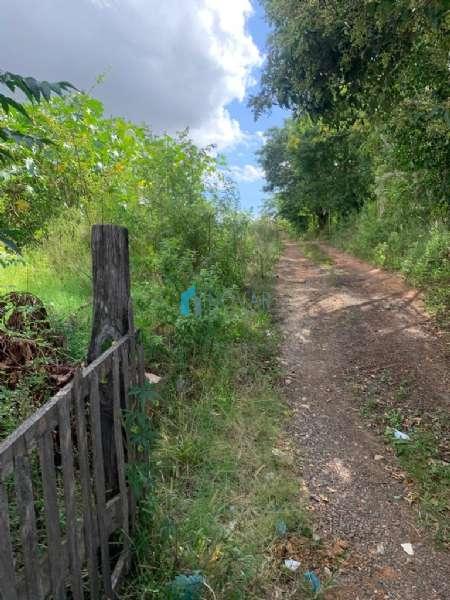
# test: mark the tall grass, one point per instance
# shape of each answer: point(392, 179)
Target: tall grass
point(218, 490)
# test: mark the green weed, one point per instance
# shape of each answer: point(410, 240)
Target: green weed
point(218, 489)
point(420, 458)
point(314, 252)
point(368, 407)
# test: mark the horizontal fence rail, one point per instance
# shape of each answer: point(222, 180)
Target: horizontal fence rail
point(63, 534)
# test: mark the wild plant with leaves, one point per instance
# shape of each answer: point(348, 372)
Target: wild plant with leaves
point(34, 91)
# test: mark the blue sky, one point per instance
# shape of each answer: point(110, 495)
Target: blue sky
point(251, 192)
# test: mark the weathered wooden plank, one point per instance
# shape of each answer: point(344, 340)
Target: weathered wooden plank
point(113, 522)
point(42, 420)
point(36, 425)
point(141, 365)
point(126, 403)
point(125, 376)
point(107, 424)
point(27, 516)
point(105, 369)
point(133, 362)
point(13, 451)
point(130, 316)
point(89, 522)
point(99, 475)
point(118, 438)
point(57, 573)
point(8, 590)
point(120, 570)
point(95, 365)
point(65, 436)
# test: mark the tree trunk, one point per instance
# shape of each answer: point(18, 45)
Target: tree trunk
point(322, 218)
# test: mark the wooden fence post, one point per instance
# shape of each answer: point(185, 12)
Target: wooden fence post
point(111, 319)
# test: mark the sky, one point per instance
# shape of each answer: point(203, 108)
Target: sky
point(172, 64)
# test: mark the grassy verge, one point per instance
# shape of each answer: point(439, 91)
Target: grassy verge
point(221, 476)
point(423, 458)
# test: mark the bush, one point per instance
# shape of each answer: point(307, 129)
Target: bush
point(399, 232)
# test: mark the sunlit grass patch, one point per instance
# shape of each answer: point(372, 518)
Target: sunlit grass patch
point(315, 253)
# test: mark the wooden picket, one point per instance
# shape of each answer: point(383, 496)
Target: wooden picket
point(56, 515)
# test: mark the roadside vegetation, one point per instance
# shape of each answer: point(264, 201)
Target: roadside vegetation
point(364, 161)
point(180, 213)
point(218, 485)
point(221, 478)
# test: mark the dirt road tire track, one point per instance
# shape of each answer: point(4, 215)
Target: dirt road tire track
point(338, 323)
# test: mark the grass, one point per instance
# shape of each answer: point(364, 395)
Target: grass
point(315, 253)
point(218, 487)
point(420, 458)
point(67, 301)
point(406, 237)
point(424, 458)
point(68, 308)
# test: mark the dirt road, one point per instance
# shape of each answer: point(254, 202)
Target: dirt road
point(345, 326)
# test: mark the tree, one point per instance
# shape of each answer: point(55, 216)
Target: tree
point(34, 91)
point(316, 170)
point(340, 57)
point(367, 83)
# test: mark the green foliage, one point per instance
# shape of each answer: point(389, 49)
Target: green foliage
point(397, 233)
point(110, 170)
point(420, 457)
point(218, 490)
point(182, 228)
point(105, 168)
point(386, 403)
point(316, 170)
point(337, 58)
point(34, 91)
point(365, 157)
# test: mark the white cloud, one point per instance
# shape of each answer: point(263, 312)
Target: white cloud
point(246, 173)
point(219, 129)
point(171, 63)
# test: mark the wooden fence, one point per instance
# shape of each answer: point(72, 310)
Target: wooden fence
point(62, 532)
point(66, 509)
